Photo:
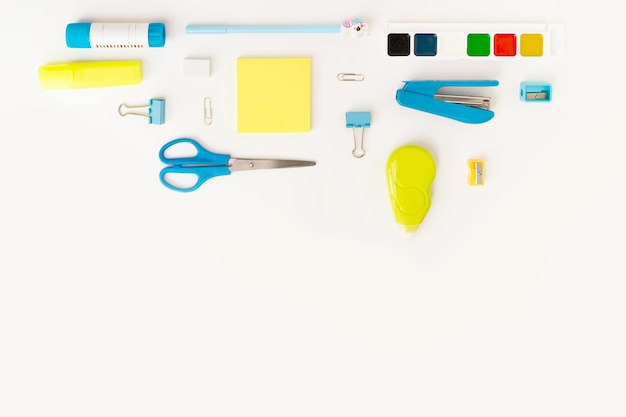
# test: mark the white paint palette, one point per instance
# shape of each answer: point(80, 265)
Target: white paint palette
point(475, 40)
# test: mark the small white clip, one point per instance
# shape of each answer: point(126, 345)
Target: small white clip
point(350, 76)
point(208, 112)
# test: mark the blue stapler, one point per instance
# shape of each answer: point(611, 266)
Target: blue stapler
point(422, 95)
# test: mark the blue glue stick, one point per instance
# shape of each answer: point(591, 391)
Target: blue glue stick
point(115, 35)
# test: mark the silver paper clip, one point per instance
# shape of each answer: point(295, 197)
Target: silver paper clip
point(350, 76)
point(208, 111)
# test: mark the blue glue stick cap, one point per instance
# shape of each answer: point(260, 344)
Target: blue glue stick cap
point(77, 35)
point(156, 35)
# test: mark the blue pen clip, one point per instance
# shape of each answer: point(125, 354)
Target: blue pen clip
point(424, 96)
point(156, 111)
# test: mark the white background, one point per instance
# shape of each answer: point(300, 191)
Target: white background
point(293, 293)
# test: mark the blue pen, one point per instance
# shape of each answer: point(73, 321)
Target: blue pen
point(355, 27)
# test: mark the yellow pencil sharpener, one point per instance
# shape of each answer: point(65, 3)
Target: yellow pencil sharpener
point(410, 173)
point(476, 169)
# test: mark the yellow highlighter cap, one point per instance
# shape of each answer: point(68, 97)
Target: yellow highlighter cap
point(75, 75)
point(410, 173)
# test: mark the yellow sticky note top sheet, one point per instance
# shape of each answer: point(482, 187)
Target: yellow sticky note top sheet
point(273, 95)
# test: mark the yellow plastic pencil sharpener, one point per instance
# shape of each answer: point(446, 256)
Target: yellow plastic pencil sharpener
point(476, 172)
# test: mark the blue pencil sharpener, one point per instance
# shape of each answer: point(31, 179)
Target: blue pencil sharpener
point(535, 91)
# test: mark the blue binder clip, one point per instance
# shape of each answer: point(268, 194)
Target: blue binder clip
point(422, 95)
point(358, 120)
point(156, 111)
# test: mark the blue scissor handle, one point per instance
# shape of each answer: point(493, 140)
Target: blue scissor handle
point(204, 165)
point(202, 157)
point(202, 175)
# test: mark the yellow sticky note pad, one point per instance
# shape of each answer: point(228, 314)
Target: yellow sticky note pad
point(273, 95)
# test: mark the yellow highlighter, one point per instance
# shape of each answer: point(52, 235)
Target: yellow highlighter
point(410, 174)
point(96, 74)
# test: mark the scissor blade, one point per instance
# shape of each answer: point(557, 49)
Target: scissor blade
point(251, 164)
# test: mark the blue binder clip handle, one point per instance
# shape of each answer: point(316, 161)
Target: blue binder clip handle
point(423, 96)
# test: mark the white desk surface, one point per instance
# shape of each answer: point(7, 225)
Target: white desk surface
point(293, 293)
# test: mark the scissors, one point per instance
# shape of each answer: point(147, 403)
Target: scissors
point(206, 165)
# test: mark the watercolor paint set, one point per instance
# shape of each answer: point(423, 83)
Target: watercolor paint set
point(475, 40)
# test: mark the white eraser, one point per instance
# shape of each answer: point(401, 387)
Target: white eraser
point(196, 67)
